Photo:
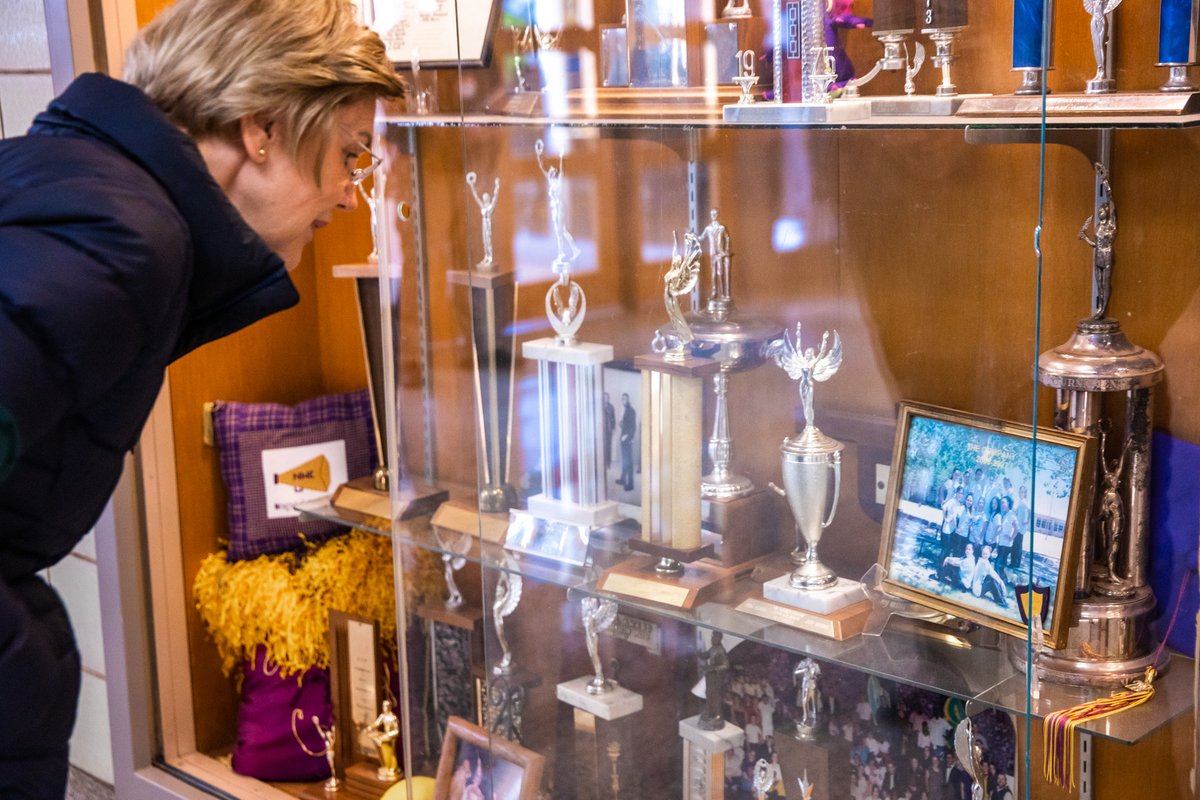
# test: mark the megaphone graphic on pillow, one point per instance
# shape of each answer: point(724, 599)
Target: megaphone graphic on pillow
point(312, 474)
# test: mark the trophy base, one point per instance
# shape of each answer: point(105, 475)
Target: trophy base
point(919, 105)
point(1109, 643)
point(774, 113)
point(364, 777)
point(636, 101)
point(1100, 86)
point(845, 623)
point(596, 516)
point(1065, 105)
point(704, 758)
point(820, 761)
point(551, 537)
point(517, 104)
point(637, 577)
point(463, 516)
point(841, 593)
point(746, 525)
point(613, 704)
point(360, 501)
point(344, 792)
point(479, 279)
point(466, 617)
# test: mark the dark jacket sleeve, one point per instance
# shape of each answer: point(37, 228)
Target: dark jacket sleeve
point(91, 277)
point(8, 443)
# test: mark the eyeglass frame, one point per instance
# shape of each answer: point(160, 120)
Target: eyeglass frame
point(360, 174)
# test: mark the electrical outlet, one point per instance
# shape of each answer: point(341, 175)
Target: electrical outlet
point(882, 471)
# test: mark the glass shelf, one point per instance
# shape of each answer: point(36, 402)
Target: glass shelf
point(982, 674)
point(658, 123)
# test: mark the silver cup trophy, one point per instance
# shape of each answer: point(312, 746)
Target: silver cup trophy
point(811, 461)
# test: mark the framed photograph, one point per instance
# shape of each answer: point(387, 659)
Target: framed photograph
point(968, 519)
point(474, 764)
point(435, 33)
point(621, 407)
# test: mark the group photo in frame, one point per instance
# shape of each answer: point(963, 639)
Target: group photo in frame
point(474, 766)
point(969, 517)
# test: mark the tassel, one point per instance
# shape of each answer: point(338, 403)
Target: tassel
point(1059, 727)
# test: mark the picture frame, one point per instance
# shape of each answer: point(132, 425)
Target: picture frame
point(356, 686)
point(622, 380)
point(503, 770)
point(934, 540)
point(442, 36)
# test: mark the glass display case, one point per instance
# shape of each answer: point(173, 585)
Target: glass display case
point(664, 304)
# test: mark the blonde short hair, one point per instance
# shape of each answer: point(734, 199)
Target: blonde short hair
point(209, 63)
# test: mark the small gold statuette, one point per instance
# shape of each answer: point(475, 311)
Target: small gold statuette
point(384, 733)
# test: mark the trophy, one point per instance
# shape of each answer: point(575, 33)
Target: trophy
point(804, 71)
point(573, 501)
point(1029, 29)
point(1092, 373)
point(367, 499)
point(1100, 11)
point(732, 507)
point(1178, 42)
point(942, 21)
point(708, 736)
point(895, 20)
point(736, 32)
point(329, 751)
point(812, 460)
point(385, 734)
point(604, 711)
point(672, 392)
point(809, 749)
point(746, 76)
point(507, 687)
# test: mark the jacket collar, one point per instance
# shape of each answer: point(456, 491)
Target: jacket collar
point(236, 279)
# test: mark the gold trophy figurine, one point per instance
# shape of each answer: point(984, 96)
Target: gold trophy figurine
point(384, 733)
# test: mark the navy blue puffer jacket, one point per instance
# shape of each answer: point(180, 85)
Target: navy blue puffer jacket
point(118, 254)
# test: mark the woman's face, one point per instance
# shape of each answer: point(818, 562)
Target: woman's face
point(283, 202)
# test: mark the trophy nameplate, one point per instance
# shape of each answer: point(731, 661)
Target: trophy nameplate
point(463, 516)
point(840, 625)
point(360, 501)
point(699, 581)
point(1067, 105)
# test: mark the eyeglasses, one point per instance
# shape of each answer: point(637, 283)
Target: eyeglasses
point(360, 174)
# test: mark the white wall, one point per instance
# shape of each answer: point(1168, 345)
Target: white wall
point(25, 89)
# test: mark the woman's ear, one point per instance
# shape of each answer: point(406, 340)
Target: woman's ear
point(257, 137)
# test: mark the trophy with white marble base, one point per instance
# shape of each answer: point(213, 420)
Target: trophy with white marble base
point(1097, 375)
point(672, 393)
point(609, 709)
point(812, 475)
point(573, 501)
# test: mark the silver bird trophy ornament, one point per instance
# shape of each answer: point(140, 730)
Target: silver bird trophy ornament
point(598, 616)
point(811, 460)
point(508, 596)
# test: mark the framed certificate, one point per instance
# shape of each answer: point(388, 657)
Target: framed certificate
point(435, 33)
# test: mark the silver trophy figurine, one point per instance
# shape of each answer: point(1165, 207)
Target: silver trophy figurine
point(805, 677)
point(1100, 10)
point(508, 596)
point(487, 204)
point(598, 615)
point(812, 458)
point(454, 558)
point(567, 251)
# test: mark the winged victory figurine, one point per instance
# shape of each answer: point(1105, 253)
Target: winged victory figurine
point(806, 365)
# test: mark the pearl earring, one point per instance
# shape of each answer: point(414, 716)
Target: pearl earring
point(262, 152)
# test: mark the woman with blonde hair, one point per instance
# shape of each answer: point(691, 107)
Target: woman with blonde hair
point(140, 219)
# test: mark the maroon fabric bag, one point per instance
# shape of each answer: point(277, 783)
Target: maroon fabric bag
point(266, 748)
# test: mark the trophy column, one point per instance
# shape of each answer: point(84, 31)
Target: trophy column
point(708, 736)
point(808, 754)
point(1178, 42)
point(608, 711)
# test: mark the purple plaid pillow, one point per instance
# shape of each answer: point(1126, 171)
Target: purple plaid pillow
point(274, 457)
